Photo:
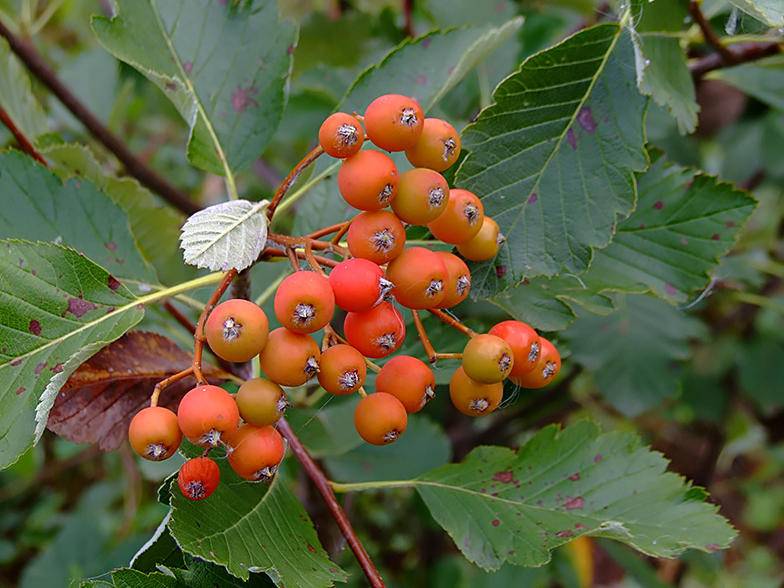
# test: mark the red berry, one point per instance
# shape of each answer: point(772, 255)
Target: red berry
point(342, 370)
point(198, 478)
point(485, 244)
point(394, 122)
point(524, 343)
point(473, 398)
point(380, 418)
point(487, 359)
point(547, 367)
point(358, 284)
point(458, 280)
point(290, 359)
point(461, 219)
point(437, 148)
point(418, 275)
point(304, 302)
point(368, 180)
point(154, 433)
point(378, 236)
point(236, 330)
point(261, 402)
point(377, 332)
point(256, 452)
point(341, 135)
point(206, 413)
point(408, 379)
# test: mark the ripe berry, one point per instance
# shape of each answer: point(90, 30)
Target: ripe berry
point(547, 367)
point(304, 302)
point(380, 418)
point(198, 478)
point(458, 280)
point(236, 330)
point(394, 122)
point(487, 359)
point(376, 332)
point(206, 413)
point(368, 180)
point(408, 379)
point(342, 370)
point(438, 146)
point(261, 402)
point(524, 342)
point(473, 398)
point(422, 196)
point(341, 135)
point(484, 245)
point(256, 452)
point(154, 433)
point(378, 236)
point(358, 284)
point(461, 219)
point(290, 359)
point(418, 275)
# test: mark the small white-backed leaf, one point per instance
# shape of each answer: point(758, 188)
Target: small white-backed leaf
point(227, 235)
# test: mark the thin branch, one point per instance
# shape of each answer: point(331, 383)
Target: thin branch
point(289, 180)
point(742, 53)
point(727, 56)
point(408, 18)
point(454, 323)
point(322, 484)
point(199, 337)
point(328, 230)
point(420, 329)
point(23, 142)
point(133, 165)
point(184, 321)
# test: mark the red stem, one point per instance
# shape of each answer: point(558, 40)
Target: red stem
point(408, 19)
point(741, 54)
point(287, 182)
point(710, 35)
point(199, 338)
point(23, 142)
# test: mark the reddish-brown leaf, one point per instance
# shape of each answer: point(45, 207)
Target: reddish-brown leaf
point(97, 402)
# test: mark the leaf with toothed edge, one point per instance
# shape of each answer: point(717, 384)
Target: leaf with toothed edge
point(224, 236)
point(771, 12)
point(56, 308)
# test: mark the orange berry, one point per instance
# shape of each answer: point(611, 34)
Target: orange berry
point(290, 359)
point(368, 180)
point(342, 370)
point(438, 146)
point(408, 379)
point(198, 478)
point(206, 413)
point(377, 332)
point(461, 219)
point(485, 244)
point(394, 122)
point(377, 236)
point(341, 135)
point(380, 418)
point(418, 275)
point(154, 433)
point(473, 398)
point(422, 195)
point(304, 302)
point(256, 452)
point(487, 359)
point(458, 280)
point(547, 367)
point(358, 284)
point(261, 402)
point(524, 342)
point(236, 330)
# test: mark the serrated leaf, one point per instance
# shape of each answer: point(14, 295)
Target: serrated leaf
point(224, 66)
point(54, 302)
point(501, 506)
point(771, 12)
point(554, 157)
point(224, 236)
point(160, 549)
point(16, 95)
point(266, 529)
point(38, 206)
point(129, 578)
point(764, 79)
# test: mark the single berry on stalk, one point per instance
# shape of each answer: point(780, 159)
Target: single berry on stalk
point(461, 220)
point(342, 370)
point(304, 302)
point(422, 195)
point(437, 148)
point(206, 413)
point(377, 332)
point(376, 236)
point(358, 284)
point(236, 330)
point(394, 122)
point(256, 452)
point(473, 398)
point(408, 379)
point(289, 358)
point(154, 433)
point(487, 359)
point(380, 418)
point(198, 478)
point(261, 402)
point(368, 180)
point(419, 277)
point(341, 135)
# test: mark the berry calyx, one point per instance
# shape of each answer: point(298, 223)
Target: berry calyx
point(461, 220)
point(341, 135)
point(358, 284)
point(256, 452)
point(236, 330)
point(261, 402)
point(487, 359)
point(198, 478)
point(368, 180)
point(547, 367)
point(485, 244)
point(474, 398)
point(380, 418)
point(422, 195)
point(458, 280)
point(408, 379)
point(304, 302)
point(290, 359)
point(154, 433)
point(206, 413)
point(524, 342)
point(418, 275)
point(394, 122)
point(376, 236)
point(437, 148)
point(377, 332)
point(342, 370)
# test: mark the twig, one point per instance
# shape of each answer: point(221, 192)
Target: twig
point(321, 483)
point(199, 337)
point(426, 343)
point(408, 18)
point(181, 375)
point(23, 142)
point(727, 56)
point(184, 321)
point(135, 167)
point(287, 182)
point(339, 235)
point(328, 230)
point(741, 54)
point(454, 323)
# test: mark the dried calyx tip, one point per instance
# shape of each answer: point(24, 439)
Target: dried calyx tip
point(479, 405)
point(231, 329)
point(383, 240)
point(349, 380)
point(303, 314)
point(311, 366)
point(347, 134)
point(408, 117)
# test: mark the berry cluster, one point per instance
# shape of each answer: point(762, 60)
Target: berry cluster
point(379, 276)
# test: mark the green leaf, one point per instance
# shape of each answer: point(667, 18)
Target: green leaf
point(764, 79)
point(770, 12)
point(500, 505)
point(160, 549)
point(761, 372)
point(223, 65)
point(16, 95)
point(40, 207)
point(633, 353)
point(328, 429)
point(553, 158)
point(128, 578)
point(54, 305)
point(266, 529)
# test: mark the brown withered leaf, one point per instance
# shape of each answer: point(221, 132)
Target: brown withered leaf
point(97, 402)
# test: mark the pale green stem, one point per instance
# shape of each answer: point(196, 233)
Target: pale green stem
point(380, 485)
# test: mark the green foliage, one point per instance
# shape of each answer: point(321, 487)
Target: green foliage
point(16, 95)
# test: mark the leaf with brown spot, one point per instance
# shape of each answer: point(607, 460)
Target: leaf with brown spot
point(97, 402)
